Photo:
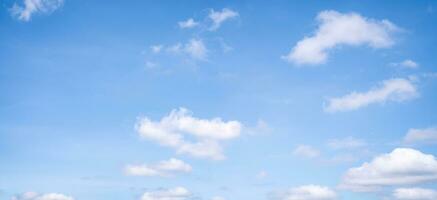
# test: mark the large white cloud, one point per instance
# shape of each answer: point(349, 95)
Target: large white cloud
point(341, 29)
point(173, 129)
point(402, 166)
point(29, 7)
point(218, 17)
point(427, 135)
point(177, 193)
point(397, 89)
point(162, 168)
point(36, 196)
point(415, 194)
point(309, 192)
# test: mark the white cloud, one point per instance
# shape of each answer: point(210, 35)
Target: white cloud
point(207, 133)
point(177, 193)
point(162, 168)
point(396, 89)
point(189, 23)
point(346, 143)
point(306, 151)
point(415, 194)
point(36, 196)
point(151, 65)
point(337, 29)
point(400, 167)
point(195, 48)
point(218, 17)
point(156, 48)
point(427, 135)
point(406, 63)
point(309, 192)
point(29, 7)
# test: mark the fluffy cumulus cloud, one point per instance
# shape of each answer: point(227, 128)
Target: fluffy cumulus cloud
point(36, 196)
point(162, 168)
point(414, 194)
point(406, 64)
point(25, 10)
point(309, 192)
point(306, 151)
point(427, 135)
point(346, 143)
point(177, 193)
point(218, 17)
point(397, 89)
point(175, 130)
point(337, 29)
point(400, 167)
point(189, 23)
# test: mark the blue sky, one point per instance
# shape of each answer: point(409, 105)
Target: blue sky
point(213, 100)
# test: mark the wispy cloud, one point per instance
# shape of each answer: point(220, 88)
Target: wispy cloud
point(406, 64)
point(25, 11)
point(427, 135)
point(189, 23)
point(414, 193)
point(306, 151)
point(346, 143)
point(163, 168)
point(176, 193)
point(308, 192)
point(36, 196)
point(218, 17)
point(397, 89)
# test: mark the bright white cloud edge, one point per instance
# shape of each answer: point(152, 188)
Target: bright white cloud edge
point(402, 166)
point(172, 130)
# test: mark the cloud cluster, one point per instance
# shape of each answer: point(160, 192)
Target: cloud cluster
point(30, 7)
point(427, 135)
point(163, 168)
point(396, 89)
point(337, 29)
point(173, 130)
point(309, 192)
point(403, 166)
point(415, 194)
point(177, 193)
point(36, 196)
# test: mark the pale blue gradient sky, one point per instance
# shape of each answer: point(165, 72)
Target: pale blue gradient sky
point(74, 82)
